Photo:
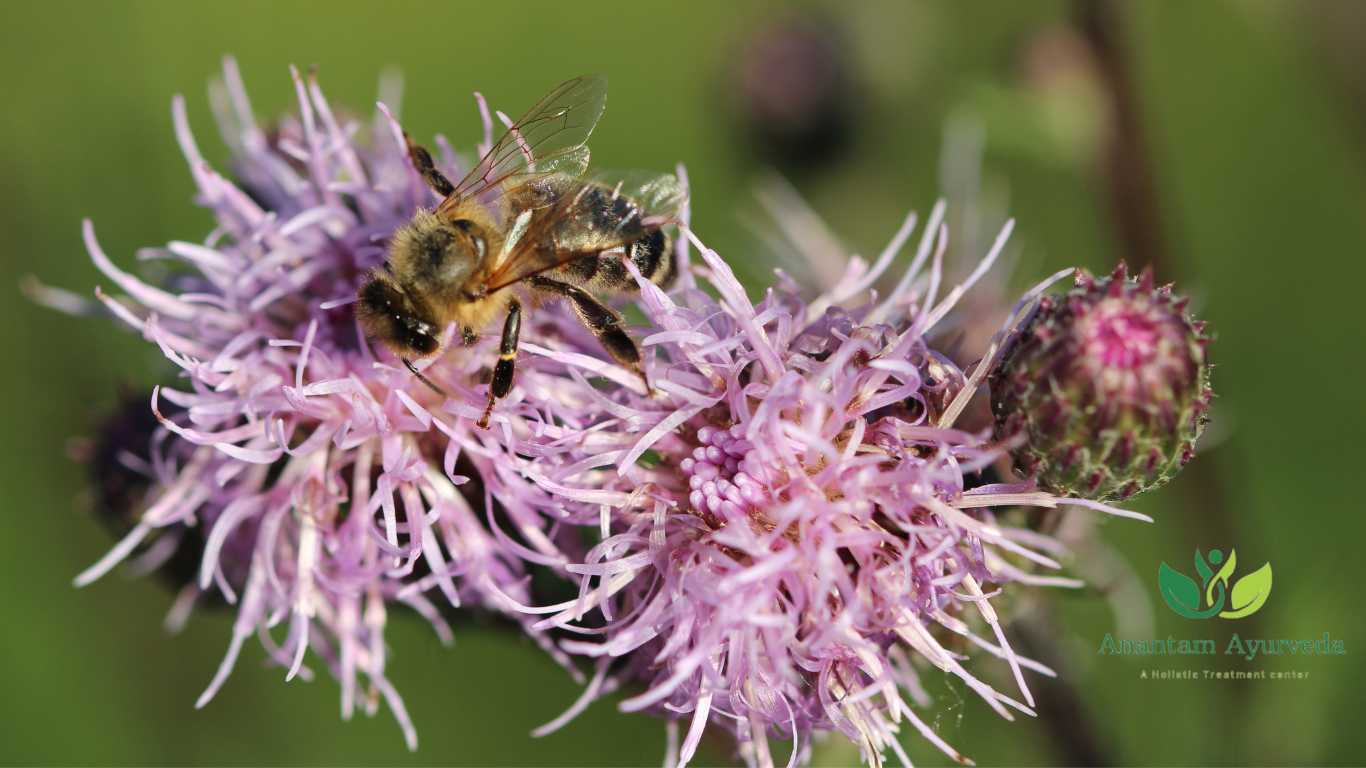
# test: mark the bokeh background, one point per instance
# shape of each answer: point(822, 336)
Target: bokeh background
point(1223, 143)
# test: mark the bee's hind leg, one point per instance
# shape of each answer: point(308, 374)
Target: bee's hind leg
point(506, 366)
point(601, 320)
point(422, 161)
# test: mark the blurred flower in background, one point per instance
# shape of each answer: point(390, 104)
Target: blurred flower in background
point(793, 91)
point(1055, 110)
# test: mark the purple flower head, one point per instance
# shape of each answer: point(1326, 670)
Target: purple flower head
point(790, 524)
point(1106, 388)
point(330, 485)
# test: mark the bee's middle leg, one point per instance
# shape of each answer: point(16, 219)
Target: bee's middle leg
point(506, 366)
point(601, 320)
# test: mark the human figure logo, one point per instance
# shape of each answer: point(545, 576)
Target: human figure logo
point(1217, 593)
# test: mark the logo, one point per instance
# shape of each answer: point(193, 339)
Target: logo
point(1244, 598)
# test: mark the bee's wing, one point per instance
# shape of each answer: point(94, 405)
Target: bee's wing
point(660, 196)
point(549, 138)
point(550, 239)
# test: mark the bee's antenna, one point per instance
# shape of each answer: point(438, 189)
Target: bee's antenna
point(413, 368)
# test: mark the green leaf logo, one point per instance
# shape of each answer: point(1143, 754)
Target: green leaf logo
point(1249, 593)
point(1243, 597)
point(1181, 593)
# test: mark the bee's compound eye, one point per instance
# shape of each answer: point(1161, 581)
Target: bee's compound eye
point(418, 335)
point(476, 241)
point(421, 342)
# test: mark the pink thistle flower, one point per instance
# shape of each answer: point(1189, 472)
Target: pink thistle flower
point(327, 480)
point(791, 525)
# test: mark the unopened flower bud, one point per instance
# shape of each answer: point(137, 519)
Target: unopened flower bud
point(1106, 388)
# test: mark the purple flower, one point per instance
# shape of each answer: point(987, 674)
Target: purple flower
point(793, 90)
point(326, 479)
point(790, 521)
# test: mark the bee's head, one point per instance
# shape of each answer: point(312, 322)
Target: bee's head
point(391, 316)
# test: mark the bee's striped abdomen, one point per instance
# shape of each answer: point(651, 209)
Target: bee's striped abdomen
point(602, 216)
point(653, 257)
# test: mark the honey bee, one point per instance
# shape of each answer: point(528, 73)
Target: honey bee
point(527, 222)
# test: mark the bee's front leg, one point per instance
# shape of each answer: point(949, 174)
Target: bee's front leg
point(507, 361)
point(426, 167)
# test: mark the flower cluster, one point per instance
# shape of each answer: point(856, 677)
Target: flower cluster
point(782, 536)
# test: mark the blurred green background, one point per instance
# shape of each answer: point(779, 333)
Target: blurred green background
point(1222, 141)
